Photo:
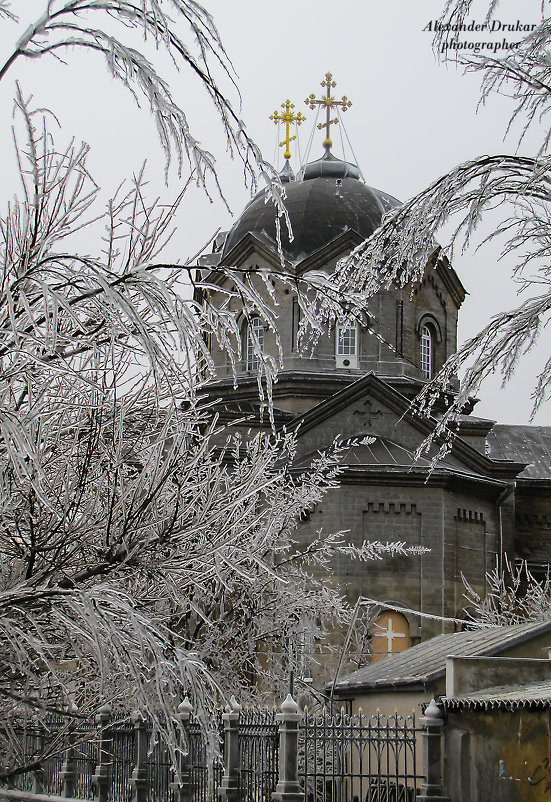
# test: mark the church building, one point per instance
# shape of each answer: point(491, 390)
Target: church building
point(490, 496)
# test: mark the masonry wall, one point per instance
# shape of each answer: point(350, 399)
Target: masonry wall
point(471, 546)
point(444, 521)
point(404, 703)
point(385, 514)
point(497, 755)
point(394, 316)
point(533, 521)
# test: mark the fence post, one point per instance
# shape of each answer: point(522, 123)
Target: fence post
point(138, 781)
point(288, 787)
point(229, 788)
point(432, 723)
point(100, 779)
point(38, 773)
point(67, 774)
point(181, 787)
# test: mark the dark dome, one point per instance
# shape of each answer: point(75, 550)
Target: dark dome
point(325, 201)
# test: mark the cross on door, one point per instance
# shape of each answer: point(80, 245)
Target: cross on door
point(389, 633)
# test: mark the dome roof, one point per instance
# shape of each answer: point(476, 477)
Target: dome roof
point(327, 200)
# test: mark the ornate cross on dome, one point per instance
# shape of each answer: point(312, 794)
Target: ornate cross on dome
point(330, 103)
point(287, 117)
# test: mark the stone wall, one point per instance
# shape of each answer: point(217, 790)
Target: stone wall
point(498, 755)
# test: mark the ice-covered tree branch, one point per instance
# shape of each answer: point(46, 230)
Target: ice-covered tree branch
point(515, 187)
point(148, 552)
point(514, 596)
point(79, 24)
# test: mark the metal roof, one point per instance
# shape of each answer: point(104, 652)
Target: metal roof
point(534, 694)
point(379, 451)
point(426, 661)
point(528, 444)
point(319, 209)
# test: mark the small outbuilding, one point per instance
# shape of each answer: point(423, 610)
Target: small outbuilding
point(497, 730)
point(404, 681)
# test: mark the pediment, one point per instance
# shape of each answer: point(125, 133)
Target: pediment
point(340, 246)
point(262, 246)
point(254, 245)
point(370, 408)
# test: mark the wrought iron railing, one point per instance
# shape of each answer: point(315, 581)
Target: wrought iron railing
point(205, 771)
point(340, 758)
point(358, 757)
point(258, 754)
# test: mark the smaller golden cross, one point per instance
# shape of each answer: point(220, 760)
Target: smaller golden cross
point(287, 117)
point(330, 103)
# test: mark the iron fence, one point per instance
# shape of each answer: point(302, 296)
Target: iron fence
point(360, 758)
point(205, 774)
point(340, 758)
point(258, 754)
point(84, 757)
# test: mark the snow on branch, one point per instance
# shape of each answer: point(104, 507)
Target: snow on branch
point(72, 25)
point(376, 550)
point(147, 553)
point(513, 596)
point(399, 251)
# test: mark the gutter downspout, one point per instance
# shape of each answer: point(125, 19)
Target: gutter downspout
point(499, 504)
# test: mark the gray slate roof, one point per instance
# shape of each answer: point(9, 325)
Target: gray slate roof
point(535, 694)
point(529, 444)
point(426, 662)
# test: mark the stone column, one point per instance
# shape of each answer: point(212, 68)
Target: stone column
point(67, 775)
point(432, 723)
point(229, 788)
point(100, 779)
point(288, 787)
point(38, 773)
point(138, 781)
point(181, 787)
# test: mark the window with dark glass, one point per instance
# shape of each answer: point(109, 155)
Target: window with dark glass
point(255, 342)
point(347, 340)
point(427, 352)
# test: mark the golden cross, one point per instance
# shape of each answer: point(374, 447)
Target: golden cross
point(287, 117)
point(330, 103)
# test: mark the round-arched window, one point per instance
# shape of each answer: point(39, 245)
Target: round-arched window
point(254, 342)
point(427, 352)
point(390, 635)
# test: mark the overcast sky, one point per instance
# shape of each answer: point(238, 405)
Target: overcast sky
point(412, 119)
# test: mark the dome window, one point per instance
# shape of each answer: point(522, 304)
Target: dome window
point(346, 346)
point(254, 342)
point(427, 352)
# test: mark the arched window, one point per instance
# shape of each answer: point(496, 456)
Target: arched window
point(390, 635)
point(254, 342)
point(346, 346)
point(427, 352)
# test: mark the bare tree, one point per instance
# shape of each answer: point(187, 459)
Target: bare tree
point(67, 25)
point(146, 552)
point(405, 243)
point(514, 596)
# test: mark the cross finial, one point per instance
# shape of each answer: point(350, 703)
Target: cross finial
point(330, 103)
point(287, 117)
